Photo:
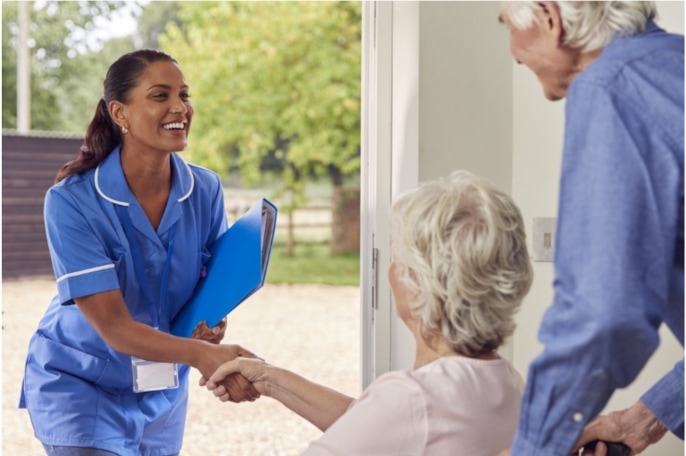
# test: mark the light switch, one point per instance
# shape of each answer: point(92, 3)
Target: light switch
point(543, 238)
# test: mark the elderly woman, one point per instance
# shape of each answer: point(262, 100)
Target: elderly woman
point(459, 272)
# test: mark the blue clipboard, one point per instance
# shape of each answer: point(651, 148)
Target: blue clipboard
point(237, 268)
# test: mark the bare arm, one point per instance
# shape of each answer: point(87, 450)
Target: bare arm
point(108, 314)
point(316, 403)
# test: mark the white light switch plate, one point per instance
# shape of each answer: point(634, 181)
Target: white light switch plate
point(543, 238)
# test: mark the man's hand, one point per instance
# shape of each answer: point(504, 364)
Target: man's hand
point(214, 335)
point(636, 427)
point(504, 453)
point(597, 449)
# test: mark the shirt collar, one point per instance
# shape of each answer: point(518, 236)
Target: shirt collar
point(111, 185)
point(650, 27)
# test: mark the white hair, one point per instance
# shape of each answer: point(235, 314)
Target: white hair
point(460, 247)
point(588, 25)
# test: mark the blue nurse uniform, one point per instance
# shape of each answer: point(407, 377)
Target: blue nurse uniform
point(79, 391)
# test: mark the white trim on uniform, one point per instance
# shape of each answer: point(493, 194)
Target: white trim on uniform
point(190, 173)
point(85, 271)
point(97, 187)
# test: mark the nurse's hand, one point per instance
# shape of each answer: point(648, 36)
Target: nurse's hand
point(214, 335)
point(254, 370)
point(238, 387)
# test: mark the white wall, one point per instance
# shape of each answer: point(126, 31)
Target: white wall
point(465, 91)
point(452, 105)
point(459, 101)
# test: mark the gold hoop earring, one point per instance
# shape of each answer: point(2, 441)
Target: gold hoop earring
point(124, 130)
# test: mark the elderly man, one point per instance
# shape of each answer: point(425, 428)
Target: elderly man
point(619, 261)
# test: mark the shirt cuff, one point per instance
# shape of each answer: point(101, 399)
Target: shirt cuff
point(666, 400)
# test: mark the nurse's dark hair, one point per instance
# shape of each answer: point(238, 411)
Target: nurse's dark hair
point(103, 134)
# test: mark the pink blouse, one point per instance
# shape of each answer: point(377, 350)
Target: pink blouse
point(452, 406)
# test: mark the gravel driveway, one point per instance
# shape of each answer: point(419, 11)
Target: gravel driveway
point(311, 329)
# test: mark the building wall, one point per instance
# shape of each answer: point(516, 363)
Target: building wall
point(29, 166)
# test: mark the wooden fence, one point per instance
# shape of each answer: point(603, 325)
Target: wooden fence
point(309, 224)
point(335, 220)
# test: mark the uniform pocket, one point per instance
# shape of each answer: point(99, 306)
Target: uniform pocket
point(54, 359)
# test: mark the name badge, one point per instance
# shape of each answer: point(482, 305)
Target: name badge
point(152, 376)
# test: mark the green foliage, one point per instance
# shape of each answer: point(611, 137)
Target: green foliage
point(154, 19)
point(9, 66)
point(278, 79)
point(313, 263)
point(66, 70)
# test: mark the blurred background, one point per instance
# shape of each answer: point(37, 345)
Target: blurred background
point(276, 91)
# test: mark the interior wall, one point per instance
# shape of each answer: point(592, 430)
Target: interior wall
point(405, 141)
point(452, 104)
point(465, 91)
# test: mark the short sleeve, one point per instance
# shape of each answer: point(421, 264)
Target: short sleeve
point(389, 418)
point(79, 259)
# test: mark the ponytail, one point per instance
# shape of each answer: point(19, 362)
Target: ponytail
point(102, 136)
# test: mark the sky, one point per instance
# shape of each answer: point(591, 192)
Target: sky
point(121, 24)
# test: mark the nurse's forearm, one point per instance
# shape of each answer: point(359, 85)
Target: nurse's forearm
point(142, 341)
point(110, 317)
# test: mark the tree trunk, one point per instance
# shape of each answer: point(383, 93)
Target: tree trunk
point(345, 229)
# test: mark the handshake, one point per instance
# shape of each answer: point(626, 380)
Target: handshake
point(231, 372)
point(238, 380)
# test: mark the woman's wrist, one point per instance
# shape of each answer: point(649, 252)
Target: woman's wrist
point(269, 379)
point(197, 353)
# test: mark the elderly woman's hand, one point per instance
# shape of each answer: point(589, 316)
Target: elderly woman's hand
point(253, 369)
point(214, 335)
point(235, 387)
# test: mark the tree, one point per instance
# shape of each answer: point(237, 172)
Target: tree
point(68, 62)
point(153, 20)
point(276, 80)
point(9, 66)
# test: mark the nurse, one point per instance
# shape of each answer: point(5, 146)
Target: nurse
point(128, 224)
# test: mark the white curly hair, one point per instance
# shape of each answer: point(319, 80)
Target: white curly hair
point(587, 25)
point(459, 245)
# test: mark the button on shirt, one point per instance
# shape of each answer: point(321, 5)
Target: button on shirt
point(619, 248)
point(70, 367)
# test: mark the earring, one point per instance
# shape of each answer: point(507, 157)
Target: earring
point(124, 130)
